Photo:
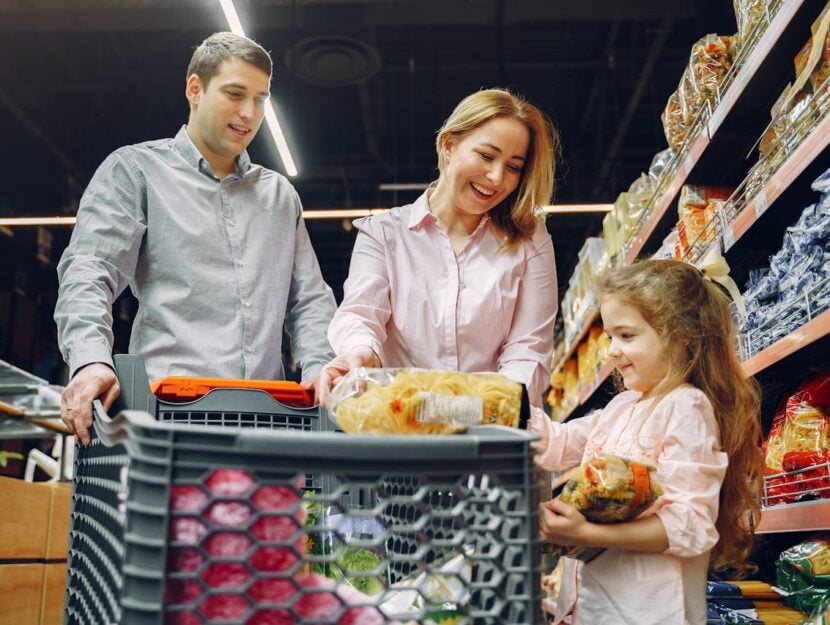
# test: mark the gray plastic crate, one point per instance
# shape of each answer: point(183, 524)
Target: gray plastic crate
point(199, 548)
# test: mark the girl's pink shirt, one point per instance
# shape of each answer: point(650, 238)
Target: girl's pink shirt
point(680, 437)
point(417, 304)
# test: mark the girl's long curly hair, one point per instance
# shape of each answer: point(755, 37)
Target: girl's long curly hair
point(692, 316)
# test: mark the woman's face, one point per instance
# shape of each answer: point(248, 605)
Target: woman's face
point(485, 166)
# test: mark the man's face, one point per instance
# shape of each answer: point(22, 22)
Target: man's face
point(225, 115)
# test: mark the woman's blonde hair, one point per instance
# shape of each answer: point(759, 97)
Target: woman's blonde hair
point(692, 317)
point(518, 215)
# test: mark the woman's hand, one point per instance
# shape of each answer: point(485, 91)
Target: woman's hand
point(361, 356)
point(562, 524)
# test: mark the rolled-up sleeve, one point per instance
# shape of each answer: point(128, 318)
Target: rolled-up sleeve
point(526, 353)
point(362, 316)
point(99, 262)
point(691, 471)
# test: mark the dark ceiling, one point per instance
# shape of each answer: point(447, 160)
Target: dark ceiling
point(361, 87)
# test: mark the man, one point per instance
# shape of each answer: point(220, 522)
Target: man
point(213, 246)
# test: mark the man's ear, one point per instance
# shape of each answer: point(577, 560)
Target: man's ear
point(193, 89)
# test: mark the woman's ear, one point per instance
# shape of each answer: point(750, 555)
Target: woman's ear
point(446, 146)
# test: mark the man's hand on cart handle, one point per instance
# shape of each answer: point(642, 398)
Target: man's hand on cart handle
point(94, 381)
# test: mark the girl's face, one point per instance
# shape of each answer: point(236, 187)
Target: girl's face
point(636, 349)
point(484, 167)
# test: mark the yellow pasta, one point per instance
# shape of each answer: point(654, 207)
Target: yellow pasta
point(418, 401)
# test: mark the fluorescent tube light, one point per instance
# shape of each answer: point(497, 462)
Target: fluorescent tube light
point(403, 186)
point(37, 221)
point(578, 208)
point(271, 121)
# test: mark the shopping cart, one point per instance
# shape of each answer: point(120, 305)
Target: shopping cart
point(183, 521)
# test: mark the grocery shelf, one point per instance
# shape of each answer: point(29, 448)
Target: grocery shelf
point(766, 64)
point(802, 156)
point(805, 335)
point(795, 517)
point(602, 375)
point(590, 317)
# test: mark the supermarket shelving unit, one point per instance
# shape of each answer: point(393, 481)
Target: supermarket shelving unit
point(757, 215)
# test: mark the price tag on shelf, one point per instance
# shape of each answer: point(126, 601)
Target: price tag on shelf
point(715, 121)
point(760, 203)
point(727, 236)
point(688, 163)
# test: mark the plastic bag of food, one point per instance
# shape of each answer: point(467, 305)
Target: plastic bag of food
point(803, 571)
point(748, 13)
point(422, 401)
point(709, 61)
point(674, 125)
point(608, 489)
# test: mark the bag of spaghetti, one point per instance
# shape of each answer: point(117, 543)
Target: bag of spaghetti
point(608, 489)
point(422, 401)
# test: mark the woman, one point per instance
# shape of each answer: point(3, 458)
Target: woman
point(464, 278)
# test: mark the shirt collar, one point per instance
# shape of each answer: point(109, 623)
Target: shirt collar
point(420, 211)
point(185, 147)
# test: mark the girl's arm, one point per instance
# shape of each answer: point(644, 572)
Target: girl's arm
point(562, 524)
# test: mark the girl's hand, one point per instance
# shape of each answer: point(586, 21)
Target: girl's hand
point(562, 524)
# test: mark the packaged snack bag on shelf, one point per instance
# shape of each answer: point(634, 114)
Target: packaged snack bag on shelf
point(674, 125)
point(799, 438)
point(803, 572)
point(421, 401)
point(748, 13)
point(709, 61)
point(608, 489)
point(658, 167)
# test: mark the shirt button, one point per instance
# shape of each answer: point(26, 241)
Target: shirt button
point(230, 222)
point(240, 263)
point(246, 304)
point(249, 349)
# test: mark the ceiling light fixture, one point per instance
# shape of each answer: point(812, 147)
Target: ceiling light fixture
point(36, 221)
point(320, 213)
point(577, 208)
point(403, 186)
point(271, 121)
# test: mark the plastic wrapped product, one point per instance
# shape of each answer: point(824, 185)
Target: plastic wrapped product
point(674, 125)
point(709, 61)
point(803, 571)
point(421, 401)
point(748, 13)
point(608, 489)
point(658, 166)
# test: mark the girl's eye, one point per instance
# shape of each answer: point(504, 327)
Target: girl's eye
point(626, 336)
point(234, 94)
point(485, 156)
point(516, 169)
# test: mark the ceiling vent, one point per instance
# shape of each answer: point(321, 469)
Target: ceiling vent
point(333, 61)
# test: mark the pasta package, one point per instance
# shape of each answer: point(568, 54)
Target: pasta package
point(421, 401)
point(610, 489)
point(607, 489)
point(803, 571)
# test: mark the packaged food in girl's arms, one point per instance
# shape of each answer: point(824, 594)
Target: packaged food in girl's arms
point(608, 489)
point(421, 401)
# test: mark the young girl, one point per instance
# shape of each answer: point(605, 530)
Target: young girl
point(690, 412)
